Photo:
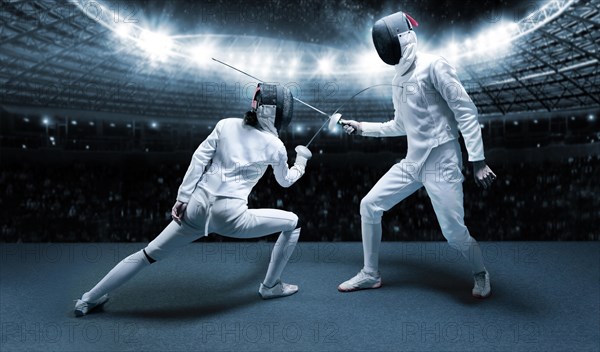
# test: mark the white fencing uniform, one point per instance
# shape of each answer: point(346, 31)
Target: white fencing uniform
point(431, 106)
point(223, 171)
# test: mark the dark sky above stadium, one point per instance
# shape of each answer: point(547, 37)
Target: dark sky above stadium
point(334, 23)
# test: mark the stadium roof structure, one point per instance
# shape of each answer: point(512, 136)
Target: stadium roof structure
point(552, 68)
point(65, 59)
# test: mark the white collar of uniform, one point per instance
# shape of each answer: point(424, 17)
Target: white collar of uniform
point(408, 55)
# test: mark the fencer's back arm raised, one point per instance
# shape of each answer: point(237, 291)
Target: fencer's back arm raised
point(285, 175)
point(200, 160)
point(445, 80)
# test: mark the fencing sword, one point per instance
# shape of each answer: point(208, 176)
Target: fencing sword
point(332, 120)
point(260, 80)
point(336, 117)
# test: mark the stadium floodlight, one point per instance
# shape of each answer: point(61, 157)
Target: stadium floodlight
point(266, 69)
point(482, 42)
point(123, 30)
point(513, 27)
point(506, 33)
point(498, 37)
point(292, 68)
point(453, 49)
point(325, 65)
point(268, 61)
point(156, 45)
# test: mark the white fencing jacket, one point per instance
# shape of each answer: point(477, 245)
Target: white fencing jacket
point(431, 106)
point(231, 160)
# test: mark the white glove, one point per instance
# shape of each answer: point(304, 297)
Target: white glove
point(303, 155)
point(351, 127)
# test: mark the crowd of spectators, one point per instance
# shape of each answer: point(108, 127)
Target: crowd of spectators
point(131, 202)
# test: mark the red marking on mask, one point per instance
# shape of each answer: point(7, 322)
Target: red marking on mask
point(412, 21)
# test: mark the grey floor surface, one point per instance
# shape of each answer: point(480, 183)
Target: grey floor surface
point(546, 297)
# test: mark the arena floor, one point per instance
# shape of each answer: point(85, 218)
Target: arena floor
point(546, 297)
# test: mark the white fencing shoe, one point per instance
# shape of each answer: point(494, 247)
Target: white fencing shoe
point(363, 280)
point(280, 289)
point(82, 307)
point(482, 288)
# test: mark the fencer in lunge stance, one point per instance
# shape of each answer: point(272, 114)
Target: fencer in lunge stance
point(431, 107)
point(214, 193)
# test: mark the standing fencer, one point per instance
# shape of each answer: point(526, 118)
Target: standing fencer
point(213, 196)
point(431, 106)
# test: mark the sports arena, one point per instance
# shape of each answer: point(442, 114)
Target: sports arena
point(103, 104)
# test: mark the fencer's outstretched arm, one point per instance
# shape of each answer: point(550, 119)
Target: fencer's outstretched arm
point(392, 128)
point(287, 176)
point(446, 82)
point(201, 158)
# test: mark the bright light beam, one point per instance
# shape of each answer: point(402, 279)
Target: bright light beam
point(156, 45)
point(325, 66)
point(123, 30)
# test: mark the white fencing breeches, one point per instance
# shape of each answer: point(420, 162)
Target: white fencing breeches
point(226, 216)
point(442, 177)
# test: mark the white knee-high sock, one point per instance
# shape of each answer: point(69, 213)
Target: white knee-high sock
point(122, 272)
point(282, 251)
point(371, 239)
point(474, 256)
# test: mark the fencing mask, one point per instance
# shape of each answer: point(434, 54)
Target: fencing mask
point(391, 35)
point(274, 106)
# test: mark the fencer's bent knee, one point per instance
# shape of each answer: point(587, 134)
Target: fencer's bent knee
point(366, 206)
point(294, 234)
point(369, 211)
point(294, 221)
